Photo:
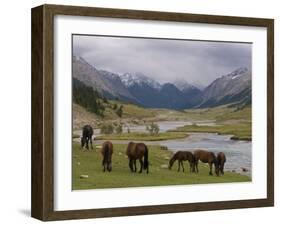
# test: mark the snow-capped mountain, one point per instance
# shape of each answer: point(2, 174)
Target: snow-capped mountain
point(129, 80)
point(229, 88)
point(183, 85)
point(151, 93)
point(107, 83)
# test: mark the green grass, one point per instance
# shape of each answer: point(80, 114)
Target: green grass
point(89, 163)
point(230, 121)
point(238, 130)
point(135, 111)
point(221, 113)
point(143, 136)
point(244, 114)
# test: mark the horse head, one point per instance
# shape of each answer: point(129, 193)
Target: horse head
point(171, 162)
point(83, 141)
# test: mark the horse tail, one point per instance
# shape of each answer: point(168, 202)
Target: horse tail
point(145, 162)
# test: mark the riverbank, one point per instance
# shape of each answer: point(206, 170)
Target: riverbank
point(238, 131)
point(89, 163)
point(137, 136)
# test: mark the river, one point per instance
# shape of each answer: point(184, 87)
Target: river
point(238, 153)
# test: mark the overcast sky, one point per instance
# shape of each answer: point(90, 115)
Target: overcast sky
point(197, 62)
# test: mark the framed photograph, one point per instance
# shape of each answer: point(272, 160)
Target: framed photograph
point(142, 112)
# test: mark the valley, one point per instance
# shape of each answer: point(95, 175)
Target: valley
point(167, 117)
point(221, 128)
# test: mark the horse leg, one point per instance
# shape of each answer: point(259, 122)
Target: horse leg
point(131, 165)
point(179, 164)
point(103, 162)
point(222, 166)
point(211, 166)
point(91, 142)
point(135, 164)
point(87, 143)
point(109, 168)
point(193, 166)
point(196, 166)
point(182, 166)
point(141, 165)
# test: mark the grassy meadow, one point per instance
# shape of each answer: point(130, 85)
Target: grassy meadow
point(225, 119)
point(89, 163)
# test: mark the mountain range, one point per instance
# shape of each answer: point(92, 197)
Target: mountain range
point(138, 88)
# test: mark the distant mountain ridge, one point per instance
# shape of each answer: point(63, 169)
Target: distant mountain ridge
point(233, 87)
point(129, 79)
point(138, 88)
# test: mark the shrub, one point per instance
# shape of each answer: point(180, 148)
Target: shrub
point(114, 107)
point(119, 128)
point(105, 100)
point(119, 111)
point(107, 128)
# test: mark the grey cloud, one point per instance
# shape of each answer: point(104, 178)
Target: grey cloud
point(197, 62)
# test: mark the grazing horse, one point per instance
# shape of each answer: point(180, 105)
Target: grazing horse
point(221, 161)
point(107, 151)
point(205, 157)
point(87, 134)
point(137, 151)
point(182, 156)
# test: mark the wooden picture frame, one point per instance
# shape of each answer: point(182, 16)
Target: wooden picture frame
point(42, 203)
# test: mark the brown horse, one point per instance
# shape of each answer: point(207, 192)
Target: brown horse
point(221, 161)
point(206, 157)
point(137, 151)
point(107, 151)
point(182, 156)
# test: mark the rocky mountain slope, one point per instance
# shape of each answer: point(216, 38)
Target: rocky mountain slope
point(233, 87)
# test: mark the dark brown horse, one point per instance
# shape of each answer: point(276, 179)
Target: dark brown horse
point(137, 151)
point(107, 151)
point(182, 156)
point(221, 161)
point(206, 157)
point(87, 133)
